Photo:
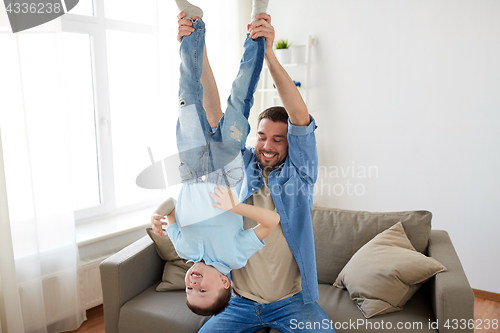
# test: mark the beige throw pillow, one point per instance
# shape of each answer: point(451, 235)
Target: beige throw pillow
point(175, 268)
point(340, 233)
point(385, 273)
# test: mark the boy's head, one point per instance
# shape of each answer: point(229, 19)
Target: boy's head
point(207, 290)
point(271, 148)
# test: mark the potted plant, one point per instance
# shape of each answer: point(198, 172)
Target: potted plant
point(283, 51)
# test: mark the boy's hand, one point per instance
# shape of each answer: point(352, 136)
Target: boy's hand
point(158, 224)
point(185, 26)
point(224, 197)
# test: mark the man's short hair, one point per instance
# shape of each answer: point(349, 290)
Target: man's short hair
point(220, 304)
point(274, 113)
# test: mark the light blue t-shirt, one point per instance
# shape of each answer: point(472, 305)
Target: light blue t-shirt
point(219, 239)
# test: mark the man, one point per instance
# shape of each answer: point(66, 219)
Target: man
point(278, 286)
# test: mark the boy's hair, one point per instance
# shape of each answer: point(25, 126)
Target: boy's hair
point(274, 113)
point(220, 304)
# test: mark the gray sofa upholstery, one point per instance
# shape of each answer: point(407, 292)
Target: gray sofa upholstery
point(132, 305)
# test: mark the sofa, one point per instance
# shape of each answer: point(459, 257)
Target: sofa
point(443, 303)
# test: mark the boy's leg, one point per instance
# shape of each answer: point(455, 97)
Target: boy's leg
point(258, 7)
point(193, 129)
point(234, 127)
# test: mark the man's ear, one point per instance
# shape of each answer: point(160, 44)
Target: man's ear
point(225, 281)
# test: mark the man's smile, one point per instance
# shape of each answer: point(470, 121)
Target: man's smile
point(268, 156)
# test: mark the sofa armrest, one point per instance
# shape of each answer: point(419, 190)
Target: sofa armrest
point(451, 295)
point(125, 275)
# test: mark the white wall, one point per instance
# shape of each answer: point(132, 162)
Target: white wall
point(412, 89)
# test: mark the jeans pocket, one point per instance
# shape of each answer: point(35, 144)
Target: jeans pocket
point(233, 175)
point(186, 172)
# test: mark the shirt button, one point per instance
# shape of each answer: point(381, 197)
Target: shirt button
point(203, 177)
point(253, 189)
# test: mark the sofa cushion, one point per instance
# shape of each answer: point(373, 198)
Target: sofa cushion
point(154, 312)
point(338, 234)
point(175, 268)
point(346, 318)
point(385, 273)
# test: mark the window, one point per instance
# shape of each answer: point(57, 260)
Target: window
point(115, 106)
point(121, 69)
point(81, 119)
point(131, 11)
point(84, 7)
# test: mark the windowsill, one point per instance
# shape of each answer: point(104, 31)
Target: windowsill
point(110, 227)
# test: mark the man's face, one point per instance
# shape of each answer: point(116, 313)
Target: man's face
point(272, 145)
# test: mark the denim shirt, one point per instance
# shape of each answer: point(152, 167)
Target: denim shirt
point(291, 186)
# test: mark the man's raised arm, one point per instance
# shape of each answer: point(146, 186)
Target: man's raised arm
point(288, 92)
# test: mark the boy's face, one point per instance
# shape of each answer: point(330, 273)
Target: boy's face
point(272, 144)
point(204, 284)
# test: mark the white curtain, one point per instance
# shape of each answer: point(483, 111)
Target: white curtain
point(39, 290)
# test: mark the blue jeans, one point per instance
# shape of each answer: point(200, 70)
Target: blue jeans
point(208, 155)
point(288, 315)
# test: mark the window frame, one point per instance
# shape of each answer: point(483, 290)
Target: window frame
point(96, 27)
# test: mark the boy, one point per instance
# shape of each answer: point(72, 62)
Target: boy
point(211, 160)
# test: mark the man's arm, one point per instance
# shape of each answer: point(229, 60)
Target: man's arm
point(211, 98)
point(288, 92)
point(267, 219)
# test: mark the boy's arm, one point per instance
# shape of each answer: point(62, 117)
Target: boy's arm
point(267, 219)
point(288, 92)
point(171, 217)
point(166, 208)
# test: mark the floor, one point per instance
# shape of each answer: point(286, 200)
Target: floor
point(485, 312)
point(94, 322)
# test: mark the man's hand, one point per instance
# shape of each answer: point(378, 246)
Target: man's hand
point(224, 197)
point(263, 28)
point(158, 224)
point(185, 26)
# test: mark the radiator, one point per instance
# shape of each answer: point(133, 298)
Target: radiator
point(90, 283)
point(54, 288)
